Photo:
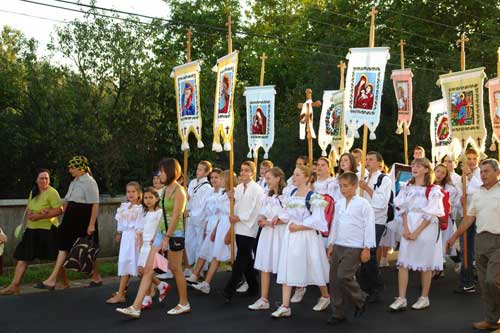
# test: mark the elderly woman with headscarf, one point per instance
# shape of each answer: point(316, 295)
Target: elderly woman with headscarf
point(81, 205)
point(39, 238)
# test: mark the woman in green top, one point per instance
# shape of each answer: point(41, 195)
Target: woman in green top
point(39, 239)
point(173, 204)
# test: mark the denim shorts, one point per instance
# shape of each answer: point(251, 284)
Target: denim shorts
point(159, 237)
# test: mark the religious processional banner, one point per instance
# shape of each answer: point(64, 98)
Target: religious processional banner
point(440, 130)
point(363, 94)
point(332, 126)
point(463, 96)
point(402, 82)
point(493, 86)
point(226, 69)
point(260, 119)
point(307, 106)
point(187, 82)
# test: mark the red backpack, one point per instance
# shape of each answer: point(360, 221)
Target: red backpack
point(443, 220)
point(329, 209)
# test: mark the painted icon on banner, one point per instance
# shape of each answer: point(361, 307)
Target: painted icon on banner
point(225, 79)
point(462, 107)
point(496, 94)
point(260, 114)
point(442, 126)
point(363, 92)
point(333, 120)
point(188, 97)
point(402, 96)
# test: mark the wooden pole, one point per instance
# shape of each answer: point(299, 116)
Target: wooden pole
point(402, 44)
point(462, 42)
point(498, 75)
point(342, 67)
point(307, 123)
point(231, 151)
point(186, 151)
point(261, 83)
point(373, 13)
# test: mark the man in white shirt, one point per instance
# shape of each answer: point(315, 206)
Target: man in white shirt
point(351, 236)
point(247, 197)
point(484, 212)
point(473, 184)
point(377, 190)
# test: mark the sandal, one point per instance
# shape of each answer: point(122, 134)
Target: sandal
point(180, 309)
point(93, 284)
point(41, 285)
point(115, 299)
point(10, 291)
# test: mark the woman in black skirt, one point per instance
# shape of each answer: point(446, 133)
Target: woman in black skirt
point(81, 206)
point(39, 238)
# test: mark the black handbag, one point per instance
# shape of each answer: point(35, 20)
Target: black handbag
point(174, 243)
point(82, 255)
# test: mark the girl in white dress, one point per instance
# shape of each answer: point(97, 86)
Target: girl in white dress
point(443, 179)
point(220, 234)
point(149, 229)
point(129, 220)
point(303, 258)
point(420, 248)
point(272, 219)
point(211, 219)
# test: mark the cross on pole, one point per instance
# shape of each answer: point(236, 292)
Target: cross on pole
point(402, 44)
point(262, 68)
point(229, 25)
point(308, 118)
point(462, 42)
point(342, 66)
point(373, 13)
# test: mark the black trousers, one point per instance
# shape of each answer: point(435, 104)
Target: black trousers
point(369, 274)
point(243, 265)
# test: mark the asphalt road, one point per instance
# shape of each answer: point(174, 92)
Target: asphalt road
point(84, 310)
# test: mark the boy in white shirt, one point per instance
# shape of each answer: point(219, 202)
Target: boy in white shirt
point(247, 197)
point(351, 236)
point(377, 190)
point(264, 166)
point(198, 190)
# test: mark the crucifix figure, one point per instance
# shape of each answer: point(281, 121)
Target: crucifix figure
point(306, 123)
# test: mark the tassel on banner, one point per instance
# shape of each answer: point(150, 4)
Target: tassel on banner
point(399, 130)
point(185, 146)
point(250, 155)
point(227, 146)
point(356, 134)
point(200, 144)
point(217, 147)
point(373, 136)
point(323, 152)
point(266, 155)
point(493, 146)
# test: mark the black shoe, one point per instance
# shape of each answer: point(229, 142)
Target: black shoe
point(335, 321)
point(227, 296)
point(358, 311)
point(465, 290)
point(373, 298)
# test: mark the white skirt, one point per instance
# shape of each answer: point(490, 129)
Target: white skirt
point(221, 251)
point(127, 258)
point(143, 255)
point(269, 248)
point(446, 235)
point(303, 260)
point(426, 252)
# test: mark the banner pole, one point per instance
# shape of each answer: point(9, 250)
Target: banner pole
point(402, 44)
point(186, 151)
point(261, 83)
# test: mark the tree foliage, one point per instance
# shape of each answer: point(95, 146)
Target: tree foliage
point(116, 103)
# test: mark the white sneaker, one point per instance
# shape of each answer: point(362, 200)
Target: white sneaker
point(399, 304)
point(260, 304)
point(383, 263)
point(164, 276)
point(421, 303)
point(298, 295)
point(203, 286)
point(188, 272)
point(243, 288)
point(180, 309)
point(130, 311)
point(192, 279)
point(322, 304)
point(282, 311)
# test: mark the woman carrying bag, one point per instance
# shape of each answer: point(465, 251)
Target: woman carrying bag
point(80, 218)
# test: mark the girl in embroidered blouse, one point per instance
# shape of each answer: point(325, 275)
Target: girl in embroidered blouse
point(421, 248)
point(129, 220)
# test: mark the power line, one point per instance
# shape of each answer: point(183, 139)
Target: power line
point(32, 16)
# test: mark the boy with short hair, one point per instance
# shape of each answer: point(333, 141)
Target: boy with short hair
point(198, 190)
point(352, 235)
point(264, 166)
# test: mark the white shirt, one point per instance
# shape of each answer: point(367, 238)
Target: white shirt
point(247, 208)
point(485, 206)
point(262, 183)
point(381, 196)
point(353, 224)
point(198, 191)
point(83, 189)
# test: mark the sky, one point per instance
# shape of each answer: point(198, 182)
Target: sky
point(38, 21)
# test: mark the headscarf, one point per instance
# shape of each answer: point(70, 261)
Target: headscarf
point(80, 163)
